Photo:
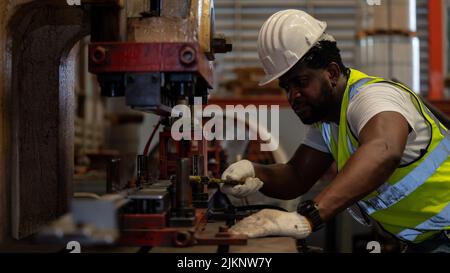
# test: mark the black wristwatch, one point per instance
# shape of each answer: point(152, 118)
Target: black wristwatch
point(310, 210)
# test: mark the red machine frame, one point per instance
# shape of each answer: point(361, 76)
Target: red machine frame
point(115, 57)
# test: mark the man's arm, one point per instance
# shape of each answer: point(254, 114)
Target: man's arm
point(290, 180)
point(382, 142)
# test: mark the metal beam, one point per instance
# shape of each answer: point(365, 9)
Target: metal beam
point(436, 65)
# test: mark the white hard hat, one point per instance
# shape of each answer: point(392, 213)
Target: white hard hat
point(284, 39)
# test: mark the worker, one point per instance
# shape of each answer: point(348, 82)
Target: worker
point(392, 154)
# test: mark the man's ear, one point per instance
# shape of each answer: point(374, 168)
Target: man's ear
point(333, 72)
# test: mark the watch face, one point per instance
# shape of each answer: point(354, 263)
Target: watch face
point(307, 206)
point(310, 210)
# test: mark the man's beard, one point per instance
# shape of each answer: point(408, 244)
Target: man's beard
point(310, 113)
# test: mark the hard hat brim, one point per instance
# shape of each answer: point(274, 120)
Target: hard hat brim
point(269, 78)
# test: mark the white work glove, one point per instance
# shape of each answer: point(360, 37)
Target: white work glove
point(241, 171)
point(269, 222)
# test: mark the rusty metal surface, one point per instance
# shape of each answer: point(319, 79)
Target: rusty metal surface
point(179, 22)
point(6, 11)
point(160, 29)
point(144, 221)
point(162, 237)
point(141, 231)
point(257, 245)
point(157, 235)
point(42, 35)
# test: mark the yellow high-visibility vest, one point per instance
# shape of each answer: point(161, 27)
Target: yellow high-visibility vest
point(413, 204)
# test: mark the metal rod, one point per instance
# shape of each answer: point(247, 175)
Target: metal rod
point(182, 190)
point(112, 175)
point(211, 180)
point(142, 169)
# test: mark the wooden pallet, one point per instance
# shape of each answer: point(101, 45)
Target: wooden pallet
point(246, 83)
point(378, 32)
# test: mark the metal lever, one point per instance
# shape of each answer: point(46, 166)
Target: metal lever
point(211, 180)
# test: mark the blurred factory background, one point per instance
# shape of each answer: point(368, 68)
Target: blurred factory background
point(403, 40)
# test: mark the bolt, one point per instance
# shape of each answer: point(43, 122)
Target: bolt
point(187, 55)
point(99, 55)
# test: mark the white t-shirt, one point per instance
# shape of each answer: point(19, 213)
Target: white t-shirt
point(374, 99)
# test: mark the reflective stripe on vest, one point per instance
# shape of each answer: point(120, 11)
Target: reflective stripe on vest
point(327, 135)
point(437, 222)
point(391, 194)
point(328, 132)
point(435, 212)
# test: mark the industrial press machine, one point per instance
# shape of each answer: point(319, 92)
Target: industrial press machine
point(156, 61)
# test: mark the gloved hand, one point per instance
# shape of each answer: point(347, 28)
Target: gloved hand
point(241, 171)
point(273, 222)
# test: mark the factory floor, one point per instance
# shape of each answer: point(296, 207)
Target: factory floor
point(258, 245)
point(261, 245)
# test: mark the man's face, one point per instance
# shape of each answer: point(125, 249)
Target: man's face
point(309, 93)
